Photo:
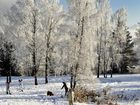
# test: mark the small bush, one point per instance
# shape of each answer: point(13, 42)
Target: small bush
point(80, 95)
point(100, 98)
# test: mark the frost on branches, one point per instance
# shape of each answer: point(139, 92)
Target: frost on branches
point(83, 40)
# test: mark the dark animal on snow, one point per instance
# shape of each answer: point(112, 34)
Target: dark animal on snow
point(49, 93)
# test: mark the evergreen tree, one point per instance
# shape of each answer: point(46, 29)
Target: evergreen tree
point(8, 61)
point(118, 38)
point(128, 55)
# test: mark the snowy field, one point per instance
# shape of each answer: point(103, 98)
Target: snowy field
point(127, 87)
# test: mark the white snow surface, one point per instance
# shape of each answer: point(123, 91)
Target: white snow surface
point(125, 86)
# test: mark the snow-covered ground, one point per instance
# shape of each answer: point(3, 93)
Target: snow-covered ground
point(127, 87)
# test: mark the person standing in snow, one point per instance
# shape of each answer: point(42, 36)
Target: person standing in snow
point(65, 87)
point(20, 85)
point(8, 88)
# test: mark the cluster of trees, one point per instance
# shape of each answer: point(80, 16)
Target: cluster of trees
point(43, 38)
point(7, 59)
point(8, 62)
point(115, 46)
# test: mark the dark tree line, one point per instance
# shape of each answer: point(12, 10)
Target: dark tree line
point(8, 62)
point(128, 56)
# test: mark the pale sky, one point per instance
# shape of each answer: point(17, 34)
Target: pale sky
point(132, 6)
point(4, 4)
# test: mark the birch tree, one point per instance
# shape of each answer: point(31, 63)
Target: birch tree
point(103, 35)
point(53, 14)
point(82, 13)
point(27, 17)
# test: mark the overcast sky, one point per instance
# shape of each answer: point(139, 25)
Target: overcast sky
point(4, 4)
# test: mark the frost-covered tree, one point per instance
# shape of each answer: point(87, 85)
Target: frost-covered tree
point(53, 14)
point(118, 38)
point(103, 36)
point(137, 42)
point(26, 17)
point(82, 14)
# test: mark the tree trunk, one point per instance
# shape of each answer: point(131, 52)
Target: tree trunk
point(47, 62)
point(46, 71)
point(104, 67)
point(46, 77)
point(36, 83)
point(72, 78)
point(71, 97)
point(105, 57)
point(47, 38)
point(71, 82)
point(98, 69)
point(34, 56)
point(7, 84)
point(111, 71)
point(99, 55)
point(34, 68)
point(111, 74)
